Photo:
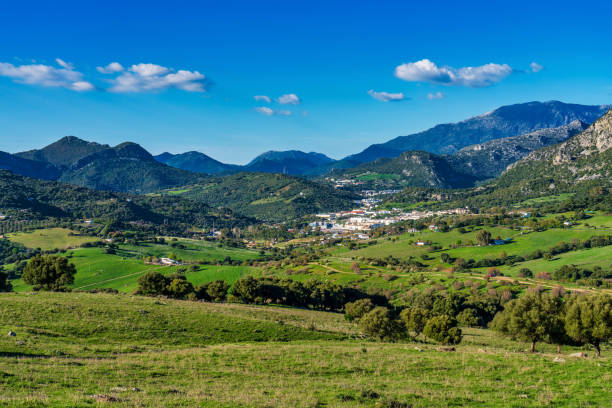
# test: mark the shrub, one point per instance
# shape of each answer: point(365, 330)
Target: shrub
point(49, 272)
point(381, 324)
point(443, 329)
point(355, 310)
point(525, 273)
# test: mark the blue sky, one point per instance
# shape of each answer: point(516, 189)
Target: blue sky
point(339, 75)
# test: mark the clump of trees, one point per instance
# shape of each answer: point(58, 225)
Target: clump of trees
point(177, 286)
point(5, 284)
point(382, 323)
point(537, 316)
point(49, 272)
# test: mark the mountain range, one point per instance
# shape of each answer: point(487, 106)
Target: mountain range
point(464, 168)
point(443, 139)
point(446, 158)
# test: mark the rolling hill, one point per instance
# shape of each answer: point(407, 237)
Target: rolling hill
point(287, 162)
point(505, 121)
point(195, 162)
point(273, 197)
point(412, 168)
point(33, 198)
point(125, 168)
point(29, 168)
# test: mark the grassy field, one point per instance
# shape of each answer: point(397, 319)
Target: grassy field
point(51, 238)
point(82, 350)
point(95, 270)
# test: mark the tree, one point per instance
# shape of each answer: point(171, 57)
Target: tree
point(5, 284)
point(589, 320)
point(246, 289)
point(468, 318)
point(380, 323)
point(533, 317)
point(179, 287)
point(415, 319)
point(355, 310)
point(152, 284)
point(355, 268)
point(483, 237)
point(217, 290)
point(49, 272)
point(443, 329)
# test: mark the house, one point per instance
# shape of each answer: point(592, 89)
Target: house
point(168, 261)
point(362, 236)
point(420, 243)
point(433, 227)
point(88, 222)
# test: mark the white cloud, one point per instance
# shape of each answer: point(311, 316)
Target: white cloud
point(111, 68)
point(262, 98)
point(64, 64)
point(535, 67)
point(435, 95)
point(152, 77)
point(288, 99)
point(386, 96)
point(81, 86)
point(46, 75)
point(264, 110)
point(474, 77)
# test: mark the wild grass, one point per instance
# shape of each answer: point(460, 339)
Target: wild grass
point(84, 350)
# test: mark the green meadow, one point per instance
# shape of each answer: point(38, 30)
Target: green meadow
point(51, 238)
point(87, 350)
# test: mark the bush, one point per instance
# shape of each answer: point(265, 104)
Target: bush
point(443, 329)
point(49, 272)
point(525, 273)
point(381, 324)
point(355, 310)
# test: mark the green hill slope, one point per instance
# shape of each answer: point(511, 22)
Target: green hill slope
point(274, 197)
point(32, 198)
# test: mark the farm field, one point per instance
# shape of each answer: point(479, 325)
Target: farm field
point(51, 238)
point(89, 349)
point(96, 269)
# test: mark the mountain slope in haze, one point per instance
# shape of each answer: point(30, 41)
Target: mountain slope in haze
point(287, 162)
point(585, 159)
point(270, 197)
point(40, 199)
point(505, 121)
point(490, 159)
point(125, 168)
point(64, 152)
point(29, 168)
point(195, 162)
